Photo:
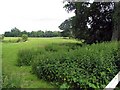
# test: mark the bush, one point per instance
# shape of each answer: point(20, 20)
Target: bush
point(1, 37)
point(24, 37)
point(87, 67)
point(73, 66)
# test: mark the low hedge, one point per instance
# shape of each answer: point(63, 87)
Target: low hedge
point(87, 67)
point(73, 66)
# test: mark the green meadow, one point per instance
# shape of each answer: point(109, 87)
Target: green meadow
point(58, 63)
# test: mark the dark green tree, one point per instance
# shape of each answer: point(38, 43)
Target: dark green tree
point(24, 32)
point(67, 27)
point(48, 34)
point(15, 32)
point(56, 33)
point(100, 21)
point(40, 33)
point(7, 34)
point(98, 15)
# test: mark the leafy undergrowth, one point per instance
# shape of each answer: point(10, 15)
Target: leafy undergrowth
point(90, 66)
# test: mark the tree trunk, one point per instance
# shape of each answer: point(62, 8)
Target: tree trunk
point(116, 17)
point(115, 33)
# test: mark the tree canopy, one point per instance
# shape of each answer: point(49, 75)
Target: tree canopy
point(93, 22)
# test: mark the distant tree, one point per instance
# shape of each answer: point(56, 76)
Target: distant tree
point(15, 32)
point(48, 34)
point(24, 37)
point(33, 34)
point(7, 34)
point(40, 33)
point(56, 34)
point(24, 32)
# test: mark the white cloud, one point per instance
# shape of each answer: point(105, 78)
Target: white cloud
point(32, 14)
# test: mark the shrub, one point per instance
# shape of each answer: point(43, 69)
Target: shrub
point(91, 66)
point(24, 37)
point(1, 37)
point(87, 67)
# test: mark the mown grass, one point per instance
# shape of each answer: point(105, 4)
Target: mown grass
point(14, 76)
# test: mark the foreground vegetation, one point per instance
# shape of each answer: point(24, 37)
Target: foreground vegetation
point(73, 65)
point(58, 63)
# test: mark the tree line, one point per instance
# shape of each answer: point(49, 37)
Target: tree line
point(93, 22)
point(15, 32)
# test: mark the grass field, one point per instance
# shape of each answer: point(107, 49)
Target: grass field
point(58, 63)
point(22, 76)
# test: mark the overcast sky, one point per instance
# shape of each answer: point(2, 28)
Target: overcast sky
point(32, 15)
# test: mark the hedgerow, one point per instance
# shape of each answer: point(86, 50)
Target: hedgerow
point(87, 67)
point(73, 66)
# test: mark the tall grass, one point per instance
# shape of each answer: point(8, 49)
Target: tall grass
point(27, 55)
point(9, 81)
